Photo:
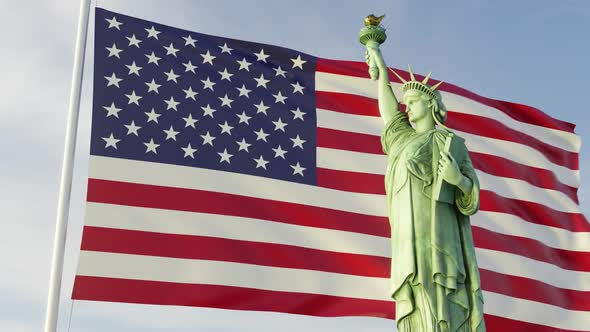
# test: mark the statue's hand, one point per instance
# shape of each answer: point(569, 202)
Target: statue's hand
point(374, 53)
point(448, 169)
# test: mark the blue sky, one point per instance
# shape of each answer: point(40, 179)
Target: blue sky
point(530, 52)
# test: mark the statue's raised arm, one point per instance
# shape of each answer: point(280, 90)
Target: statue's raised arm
point(388, 104)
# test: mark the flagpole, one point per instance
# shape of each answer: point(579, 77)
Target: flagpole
point(63, 205)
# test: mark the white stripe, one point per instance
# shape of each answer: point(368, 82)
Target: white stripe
point(510, 188)
point(235, 228)
point(525, 267)
point(189, 271)
point(516, 152)
point(368, 88)
point(151, 173)
point(522, 190)
point(535, 312)
point(551, 236)
point(351, 161)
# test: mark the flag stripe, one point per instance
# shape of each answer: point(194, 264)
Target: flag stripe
point(225, 297)
point(182, 199)
point(345, 140)
point(351, 181)
point(531, 248)
point(231, 250)
point(519, 112)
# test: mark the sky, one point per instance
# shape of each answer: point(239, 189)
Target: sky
point(529, 52)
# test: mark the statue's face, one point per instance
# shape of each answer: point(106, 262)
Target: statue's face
point(416, 106)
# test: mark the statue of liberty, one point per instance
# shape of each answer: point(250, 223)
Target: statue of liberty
point(432, 189)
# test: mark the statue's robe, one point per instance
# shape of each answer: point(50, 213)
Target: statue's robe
point(434, 275)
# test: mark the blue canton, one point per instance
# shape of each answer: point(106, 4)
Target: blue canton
point(172, 96)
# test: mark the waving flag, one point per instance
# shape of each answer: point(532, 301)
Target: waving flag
point(239, 175)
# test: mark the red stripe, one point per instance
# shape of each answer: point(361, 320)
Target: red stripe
point(182, 199)
point(519, 112)
point(346, 140)
point(507, 168)
point(534, 249)
point(351, 181)
point(482, 126)
point(239, 298)
point(201, 247)
point(346, 103)
point(225, 297)
point(534, 290)
point(533, 212)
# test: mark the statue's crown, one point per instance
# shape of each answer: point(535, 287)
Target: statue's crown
point(412, 84)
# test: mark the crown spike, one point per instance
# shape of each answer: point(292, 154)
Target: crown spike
point(436, 86)
point(400, 78)
point(426, 78)
point(412, 78)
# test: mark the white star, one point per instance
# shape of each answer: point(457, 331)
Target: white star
point(133, 41)
point(244, 64)
point(112, 110)
point(297, 87)
point(280, 71)
point(171, 50)
point(171, 103)
point(244, 91)
point(152, 32)
point(207, 57)
point(189, 151)
point(152, 116)
point(111, 141)
point(208, 110)
point(171, 76)
point(224, 156)
point(153, 86)
point(298, 62)
point(261, 108)
point(298, 114)
point(244, 118)
point(208, 84)
point(297, 169)
point(133, 98)
point(133, 69)
point(208, 139)
point(151, 146)
point(225, 101)
point(189, 67)
point(171, 133)
point(226, 128)
point(279, 98)
point(260, 56)
point(132, 129)
point(243, 145)
point(113, 23)
point(261, 135)
point(261, 81)
point(113, 80)
point(190, 93)
point(189, 121)
point(279, 152)
point(225, 49)
point(260, 162)
point(280, 125)
point(114, 51)
point(298, 142)
point(225, 75)
point(152, 58)
point(189, 41)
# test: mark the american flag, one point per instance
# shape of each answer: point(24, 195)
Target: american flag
point(240, 175)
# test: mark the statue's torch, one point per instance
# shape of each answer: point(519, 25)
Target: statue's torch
point(372, 35)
